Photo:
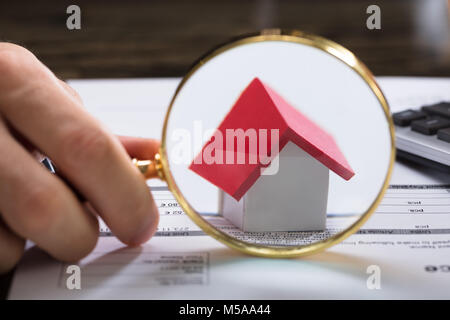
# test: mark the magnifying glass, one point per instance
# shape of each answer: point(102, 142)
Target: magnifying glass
point(277, 144)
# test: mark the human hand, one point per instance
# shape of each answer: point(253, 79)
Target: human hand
point(41, 114)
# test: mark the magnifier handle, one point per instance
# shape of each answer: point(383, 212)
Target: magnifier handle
point(150, 168)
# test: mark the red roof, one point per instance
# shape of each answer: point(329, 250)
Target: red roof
point(260, 107)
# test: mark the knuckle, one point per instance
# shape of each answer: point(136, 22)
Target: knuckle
point(82, 146)
point(11, 58)
point(72, 92)
point(8, 62)
point(19, 69)
point(75, 94)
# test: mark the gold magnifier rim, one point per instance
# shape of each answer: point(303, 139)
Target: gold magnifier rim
point(336, 51)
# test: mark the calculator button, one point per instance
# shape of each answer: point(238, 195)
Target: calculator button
point(440, 109)
point(405, 118)
point(430, 126)
point(444, 134)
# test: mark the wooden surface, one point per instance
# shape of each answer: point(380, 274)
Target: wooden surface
point(163, 38)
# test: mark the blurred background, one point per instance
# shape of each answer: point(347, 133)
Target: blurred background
point(137, 38)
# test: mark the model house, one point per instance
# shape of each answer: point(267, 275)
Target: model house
point(290, 193)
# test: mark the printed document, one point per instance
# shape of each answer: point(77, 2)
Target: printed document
point(402, 252)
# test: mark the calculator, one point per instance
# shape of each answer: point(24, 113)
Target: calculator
point(423, 135)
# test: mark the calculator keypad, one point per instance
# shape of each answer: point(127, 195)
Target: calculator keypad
point(430, 120)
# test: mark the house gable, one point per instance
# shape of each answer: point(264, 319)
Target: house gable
point(260, 107)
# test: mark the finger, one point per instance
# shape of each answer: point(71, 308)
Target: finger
point(38, 206)
point(140, 148)
point(11, 248)
point(71, 91)
point(91, 159)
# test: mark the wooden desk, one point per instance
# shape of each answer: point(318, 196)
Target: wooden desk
point(162, 38)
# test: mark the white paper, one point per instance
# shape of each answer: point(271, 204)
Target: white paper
point(407, 240)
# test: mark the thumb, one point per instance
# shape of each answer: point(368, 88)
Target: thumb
point(140, 148)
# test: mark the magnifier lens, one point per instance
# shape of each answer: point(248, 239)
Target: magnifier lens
point(332, 156)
